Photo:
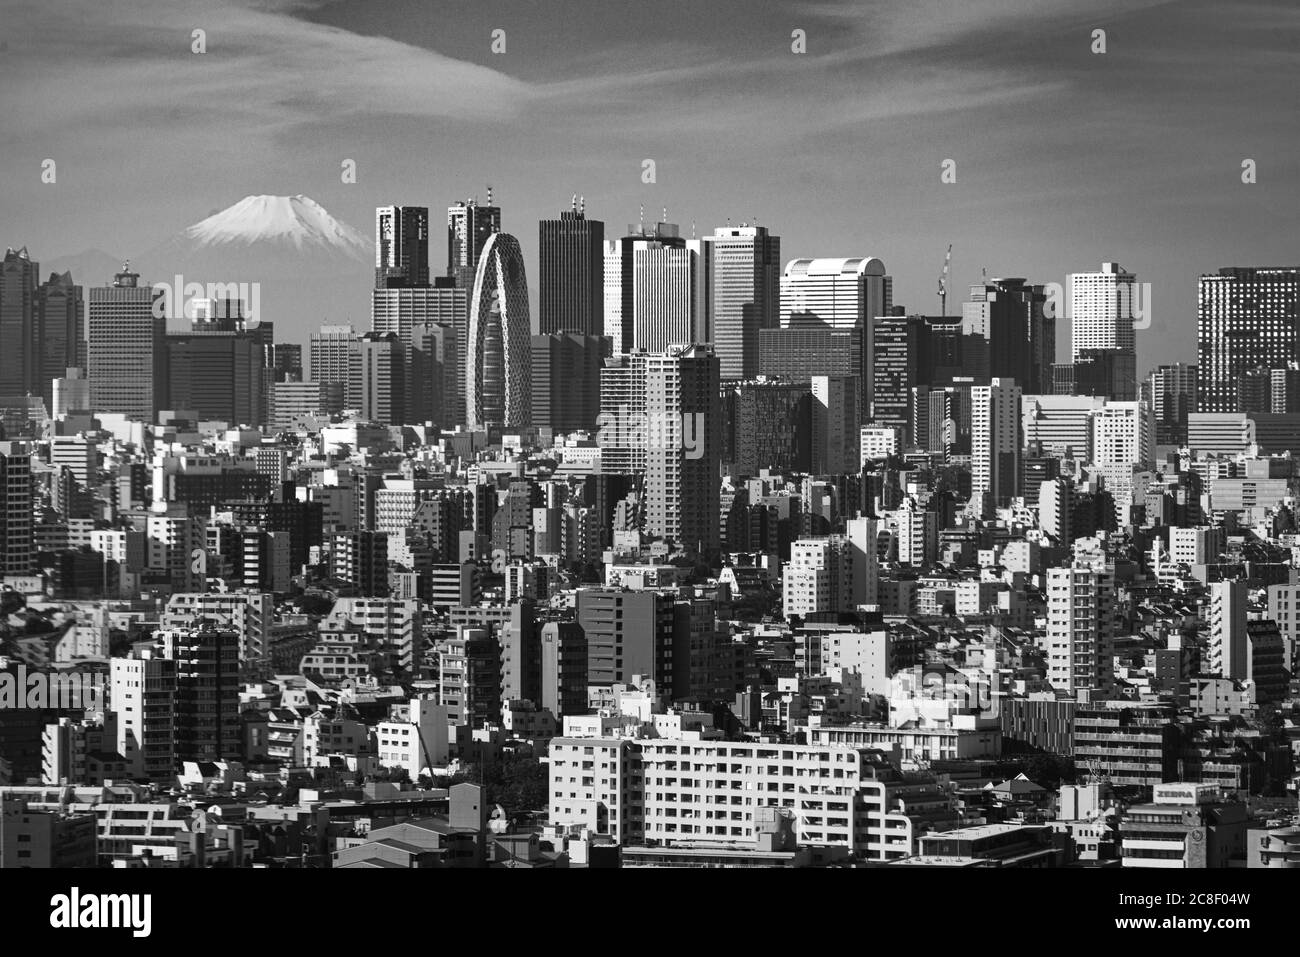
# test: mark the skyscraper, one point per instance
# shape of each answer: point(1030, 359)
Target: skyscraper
point(1102, 310)
point(19, 358)
point(767, 424)
point(667, 295)
point(1020, 331)
point(1123, 442)
point(1246, 317)
point(743, 268)
point(378, 374)
point(840, 293)
point(401, 246)
point(216, 369)
point(401, 311)
point(895, 372)
point(61, 308)
point(570, 293)
point(435, 375)
point(683, 447)
point(331, 354)
point(620, 290)
point(499, 361)
point(127, 348)
point(566, 369)
point(995, 444)
point(1171, 391)
point(468, 227)
point(836, 425)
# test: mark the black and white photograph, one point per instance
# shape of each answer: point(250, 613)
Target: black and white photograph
point(845, 436)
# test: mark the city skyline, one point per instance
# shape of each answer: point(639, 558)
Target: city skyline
point(743, 434)
point(1028, 199)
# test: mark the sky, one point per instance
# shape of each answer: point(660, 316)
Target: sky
point(1064, 157)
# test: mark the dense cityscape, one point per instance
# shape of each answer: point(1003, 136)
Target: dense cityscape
point(719, 559)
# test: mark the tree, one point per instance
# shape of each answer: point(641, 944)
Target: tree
point(1050, 770)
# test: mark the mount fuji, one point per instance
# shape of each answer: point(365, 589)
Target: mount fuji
point(263, 237)
point(311, 269)
point(285, 222)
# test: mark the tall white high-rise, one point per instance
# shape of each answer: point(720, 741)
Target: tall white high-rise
point(743, 265)
point(1227, 646)
point(1102, 310)
point(1123, 443)
point(840, 293)
point(1081, 631)
point(817, 578)
point(613, 291)
point(666, 300)
point(995, 443)
point(127, 348)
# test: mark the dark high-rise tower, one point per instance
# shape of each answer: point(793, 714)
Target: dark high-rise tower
point(1013, 318)
point(61, 308)
point(468, 227)
point(401, 246)
point(571, 284)
point(20, 355)
point(1246, 318)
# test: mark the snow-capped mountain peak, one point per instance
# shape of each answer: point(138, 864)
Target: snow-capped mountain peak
point(286, 221)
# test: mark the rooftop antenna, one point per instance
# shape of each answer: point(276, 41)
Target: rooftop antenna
point(692, 229)
point(641, 221)
point(665, 219)
point(582, 205)
point(489, 186)
point(573, 205)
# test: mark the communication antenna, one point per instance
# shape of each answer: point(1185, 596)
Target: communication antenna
point(489, 186)
point(641, 221)
point(573, 205)
point(943, 283)
point(582, 205)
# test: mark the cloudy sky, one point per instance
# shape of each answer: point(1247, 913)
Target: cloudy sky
point(1064, 158)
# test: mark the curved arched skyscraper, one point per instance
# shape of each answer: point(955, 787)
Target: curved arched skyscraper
point(498, 371)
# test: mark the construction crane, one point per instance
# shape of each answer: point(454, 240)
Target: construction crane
point(943, 283)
